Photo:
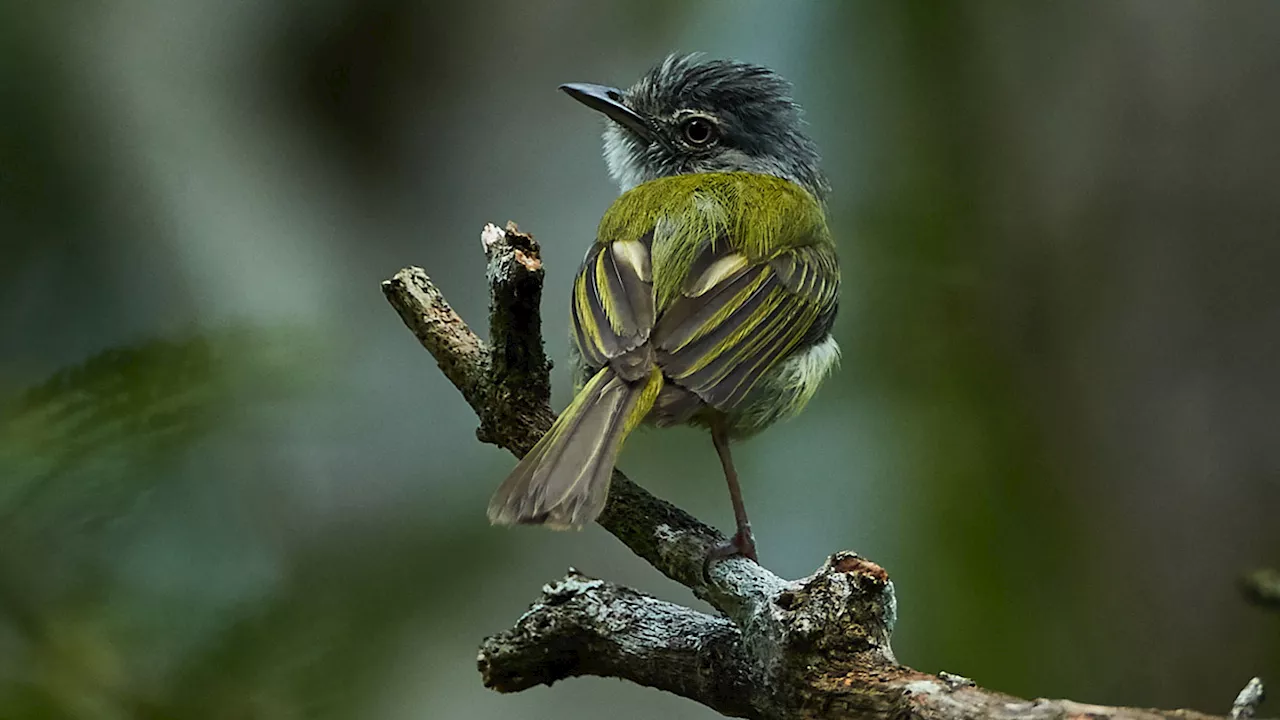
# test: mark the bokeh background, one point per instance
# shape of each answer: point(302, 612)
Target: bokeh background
point(233, 486)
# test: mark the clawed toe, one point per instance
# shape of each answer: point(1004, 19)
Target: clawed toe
point(742, 543)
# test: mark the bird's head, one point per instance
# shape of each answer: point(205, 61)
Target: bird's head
point(692, 116)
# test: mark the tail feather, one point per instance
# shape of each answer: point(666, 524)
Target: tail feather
point(563, 481)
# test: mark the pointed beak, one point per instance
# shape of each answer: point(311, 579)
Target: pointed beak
point(609, 101)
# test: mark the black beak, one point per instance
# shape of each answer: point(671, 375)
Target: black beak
point(609, 101)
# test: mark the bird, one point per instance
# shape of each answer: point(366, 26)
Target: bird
point(709, 294)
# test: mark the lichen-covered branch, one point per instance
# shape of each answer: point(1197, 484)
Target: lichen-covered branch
point(812, 648)
point(810, 657)
point(462, 356)
point(582, 626)
point(1248, 700)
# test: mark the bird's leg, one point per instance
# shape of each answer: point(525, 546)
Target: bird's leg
point(743, 542)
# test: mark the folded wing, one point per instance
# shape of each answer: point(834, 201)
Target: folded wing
point(613, 310)
point(735, 319)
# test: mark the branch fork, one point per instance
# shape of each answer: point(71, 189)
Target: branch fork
point(818, 647)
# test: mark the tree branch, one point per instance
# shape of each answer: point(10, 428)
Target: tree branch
point(582, 626)
point(1248, 700)
point(812, 648)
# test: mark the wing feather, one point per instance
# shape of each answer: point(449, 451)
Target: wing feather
point(692, 318)
point(613, 307)
point(718, 344)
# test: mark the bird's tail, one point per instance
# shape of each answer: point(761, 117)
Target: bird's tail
point(564, 480)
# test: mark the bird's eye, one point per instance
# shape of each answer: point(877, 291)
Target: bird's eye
point(698, 131)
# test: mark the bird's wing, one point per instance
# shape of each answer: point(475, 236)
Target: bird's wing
point(613, 309)
point(735, 319)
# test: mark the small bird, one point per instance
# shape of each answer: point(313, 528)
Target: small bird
point(709, 294)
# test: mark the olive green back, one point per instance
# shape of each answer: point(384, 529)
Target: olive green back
point(757, 215)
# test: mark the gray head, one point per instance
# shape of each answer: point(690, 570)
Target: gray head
point(691, 116)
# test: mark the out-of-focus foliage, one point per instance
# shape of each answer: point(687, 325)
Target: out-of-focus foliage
point(1055, 425)
point(71, 447)
point(81, 454)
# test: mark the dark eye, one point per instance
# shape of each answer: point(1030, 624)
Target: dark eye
point(698, 131)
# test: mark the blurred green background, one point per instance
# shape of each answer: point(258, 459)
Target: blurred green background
point(232, 485)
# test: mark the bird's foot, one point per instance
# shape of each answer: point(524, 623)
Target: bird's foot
point(742, 543)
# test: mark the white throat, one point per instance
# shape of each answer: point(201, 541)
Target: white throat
point(621, 157)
